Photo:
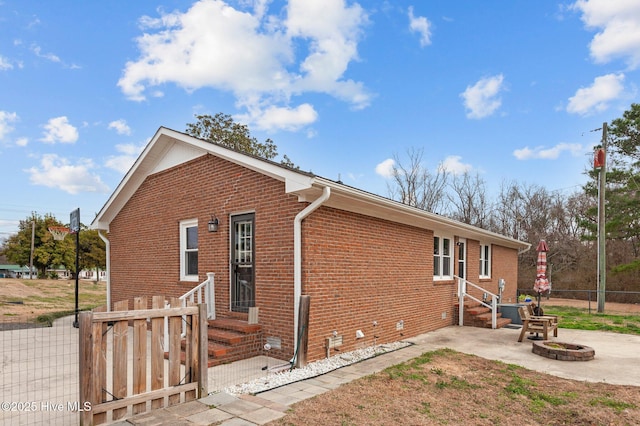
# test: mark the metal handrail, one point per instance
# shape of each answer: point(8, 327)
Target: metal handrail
point(462, 292)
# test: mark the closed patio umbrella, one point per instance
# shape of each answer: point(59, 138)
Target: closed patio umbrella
point(541, 284)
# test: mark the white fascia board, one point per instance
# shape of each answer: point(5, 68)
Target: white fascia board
point(356, 200)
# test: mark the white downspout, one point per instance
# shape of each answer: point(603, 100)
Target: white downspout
point(297, 257)
point(108, 251)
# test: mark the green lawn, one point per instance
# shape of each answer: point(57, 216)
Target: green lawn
point(581, 319)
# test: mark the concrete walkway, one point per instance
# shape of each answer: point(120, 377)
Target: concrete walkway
point(615, 363)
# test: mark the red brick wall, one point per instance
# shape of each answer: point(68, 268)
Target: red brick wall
point(145, 243)
point(504, 264)
point(369, 270)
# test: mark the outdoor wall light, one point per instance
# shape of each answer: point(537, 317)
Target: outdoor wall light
point(213, 223)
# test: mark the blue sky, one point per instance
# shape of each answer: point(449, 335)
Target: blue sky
point(511, 90)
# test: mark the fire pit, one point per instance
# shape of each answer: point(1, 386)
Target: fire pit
point(563, 351)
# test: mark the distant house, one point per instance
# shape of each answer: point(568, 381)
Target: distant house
point(368, 263)
point(85, 274)
point(15, 271)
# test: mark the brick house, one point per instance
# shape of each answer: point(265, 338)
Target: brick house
point(368, 263)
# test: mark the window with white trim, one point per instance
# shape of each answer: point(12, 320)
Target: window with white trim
point(485, 260)
point(189, 250)
point(442, 253)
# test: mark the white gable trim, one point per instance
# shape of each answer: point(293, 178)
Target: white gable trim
point(169, 148)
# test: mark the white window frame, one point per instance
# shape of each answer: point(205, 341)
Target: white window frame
point(485, 263)
point(439, 256)
point(184, 225)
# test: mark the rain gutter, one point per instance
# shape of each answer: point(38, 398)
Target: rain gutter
point(108, 252)
point(297, 256)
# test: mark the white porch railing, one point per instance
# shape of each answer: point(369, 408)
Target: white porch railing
point(205, 293)
point(202, 293)
point(462, 293)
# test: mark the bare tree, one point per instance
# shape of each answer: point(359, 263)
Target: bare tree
point(509, 211)
point(415, 185)
point(469, 203)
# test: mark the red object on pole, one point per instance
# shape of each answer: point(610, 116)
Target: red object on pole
point(598, 158)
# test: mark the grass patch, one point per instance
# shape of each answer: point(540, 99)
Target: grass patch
point(425, 408)
point(411, 370)
point(605, 401)
point(48, 319)
point(455, 383)
point(581, 319)
point(521, 387)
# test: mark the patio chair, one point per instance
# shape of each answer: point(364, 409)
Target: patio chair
point(537, 324)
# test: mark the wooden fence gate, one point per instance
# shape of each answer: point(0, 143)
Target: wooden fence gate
point(109, 385)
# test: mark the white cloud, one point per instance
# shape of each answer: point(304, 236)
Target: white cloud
point(385, 168)
point(596, 97)
point(120, 126)
point(59, 130)
point(526, 153)
point(331, 31)
point(56, 172)
point(22, 142)
point(420, 25)
point(48, 56)
point(619, 25)
point(286, 118)
point(6, 118)
point(452, 164)
point(5, 64)
point(122, 163)
point(481, 100)
point(252, 55)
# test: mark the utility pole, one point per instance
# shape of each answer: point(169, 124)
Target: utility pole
point(602, 239)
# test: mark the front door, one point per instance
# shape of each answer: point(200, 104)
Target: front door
point(242, 263)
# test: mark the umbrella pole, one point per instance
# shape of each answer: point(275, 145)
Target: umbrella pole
point(537, 312)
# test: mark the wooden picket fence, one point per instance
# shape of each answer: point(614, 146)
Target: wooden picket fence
point(109, 385)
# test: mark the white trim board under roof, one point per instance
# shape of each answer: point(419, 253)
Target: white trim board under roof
point(169, 148)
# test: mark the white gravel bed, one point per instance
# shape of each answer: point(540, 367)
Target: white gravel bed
point(280, 378)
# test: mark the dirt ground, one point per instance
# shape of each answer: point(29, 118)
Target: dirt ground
point(451, 388)
point(21, 301)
